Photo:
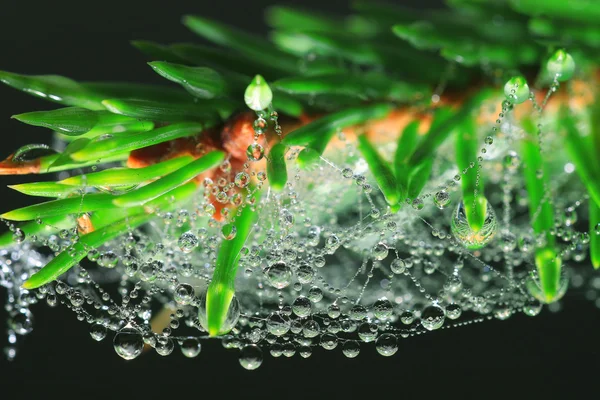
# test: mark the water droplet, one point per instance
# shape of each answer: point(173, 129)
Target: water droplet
point(561, 65)
point(432, 317)
point(278, 324)
point(279, 275)
point(453, 284)
point(382, 309)
point(286, 217)
point(532, 307)
point(315, 294)
point(398, 266)
point(187, 242)
point(260, 125)
point(380, 251)
point(108, 259)
point(255, 152)
point(351, 348)
point(512, 161)
point(301, 307)
point(242, 179)
point(231, 319)
point(19, 235)
point(251, 357)
point(329, 341)
point(229, 231)
point(190, 347)
point(98, 332)
point(305, 274)
point(164, 346)
point(367, 332)
point(418, 204)
point(387, 344)
point(441, 199)
point(334, 311)
point(407, 317)
point(468, 237)
point(21, 322)
point(311, 328)
point(184, 293)
point(128, 343)
point(453, 311)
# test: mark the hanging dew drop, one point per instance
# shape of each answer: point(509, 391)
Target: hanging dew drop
point(231, 319)
point(367, 332)
point(108, 259)
point(561, 65)
point(407, 317)
point(164, 346)
point(128, 343)
point(380, 251)
point(19, 235)
point(187, 242)
point(98, 332)
point(432, 317)
point(397, 266)
point(358, 312)
point(387, 344)
point(311, 328)
point(516, 90)
point(258, 94)
point(255, 152)
point(279, 275)
point(184, 293)
point(242, 179)
point(453, 311)
point(301, 307)
point(278, 324)
point(382, 309)
point(532, 307)
point(351, 348)
point(441, 199)
point(260, 126)
point(190, 347)
point(329, 341)
point(512, 161)
point(468, 237)
point(251, 357)
point(418, 204)
point(228, 231)
point(305, 274)
point(21, 322)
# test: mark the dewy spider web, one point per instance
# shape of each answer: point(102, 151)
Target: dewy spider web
point(379, 189)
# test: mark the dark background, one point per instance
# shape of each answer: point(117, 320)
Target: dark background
point(89, 40)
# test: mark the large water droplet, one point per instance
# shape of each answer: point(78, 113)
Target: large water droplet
point(128, 343)
point(251, 357)
point(301, 307)
point(279, 275)
point(184, 293)
point(432, 317)
point(351, 348)
point(190, 347)
point(387, 344)
point(233, 314)
point(187, 242)
point(255, 152)
point(467, 236)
